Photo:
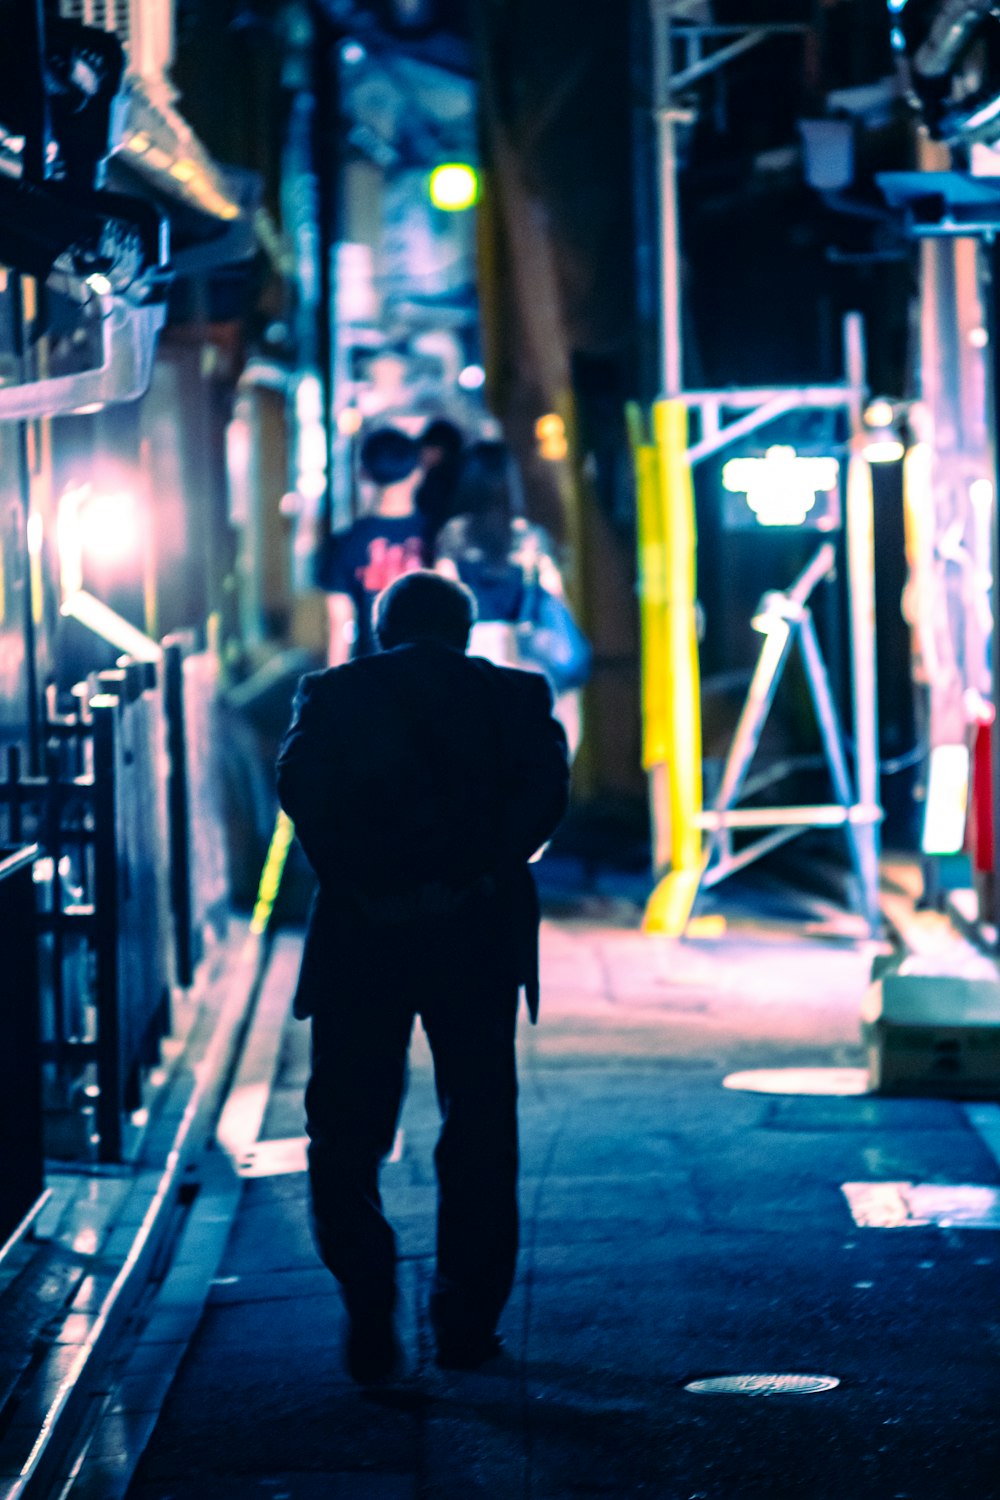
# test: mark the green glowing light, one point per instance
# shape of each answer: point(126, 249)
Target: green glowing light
point(454, 186)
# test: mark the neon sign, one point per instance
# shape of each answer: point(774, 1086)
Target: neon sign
point(781, 487)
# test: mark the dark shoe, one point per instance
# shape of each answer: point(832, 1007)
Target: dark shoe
point(373, 1352)
point(467, 1351)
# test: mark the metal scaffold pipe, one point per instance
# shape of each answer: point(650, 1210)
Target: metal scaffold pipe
point(671, 352)
point(861, 592)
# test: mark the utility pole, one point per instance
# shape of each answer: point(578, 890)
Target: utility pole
point(671, 349)
point(702, 48)
point(21, 290)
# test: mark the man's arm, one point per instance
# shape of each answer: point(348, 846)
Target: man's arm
point(307, 773)
point(537, 781)
point(342, 623)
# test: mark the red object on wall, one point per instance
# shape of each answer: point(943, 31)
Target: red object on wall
point(982, 800)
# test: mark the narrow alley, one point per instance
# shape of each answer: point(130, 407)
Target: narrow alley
point(673, 1230)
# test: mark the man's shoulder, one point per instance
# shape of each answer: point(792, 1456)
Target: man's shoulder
point(327, 682)
point(516, 682)
point(512, 683)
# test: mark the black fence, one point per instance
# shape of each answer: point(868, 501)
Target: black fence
point(21, 1181)
point(131, 899)
point(122, 902)
point(199, 882)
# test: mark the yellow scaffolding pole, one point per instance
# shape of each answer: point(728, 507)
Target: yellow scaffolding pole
point(270, 875)
point(671, 695)
point(652, 620)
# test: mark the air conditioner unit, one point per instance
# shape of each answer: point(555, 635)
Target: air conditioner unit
point(145, 27)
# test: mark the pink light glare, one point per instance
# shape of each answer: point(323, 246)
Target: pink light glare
point(109, 525)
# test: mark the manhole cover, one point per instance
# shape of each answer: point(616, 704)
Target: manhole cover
point(842, 1081)
point(763, 1385)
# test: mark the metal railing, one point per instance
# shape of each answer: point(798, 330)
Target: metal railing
point(199, 882)
point(130, 874)
point(21, 1182)
point(131, 902)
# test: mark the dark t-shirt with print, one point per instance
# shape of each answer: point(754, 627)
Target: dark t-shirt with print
point(366, 558)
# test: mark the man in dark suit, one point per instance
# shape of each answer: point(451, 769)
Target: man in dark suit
point(420, 781)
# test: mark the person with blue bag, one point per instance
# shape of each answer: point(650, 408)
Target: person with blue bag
point(508, 563)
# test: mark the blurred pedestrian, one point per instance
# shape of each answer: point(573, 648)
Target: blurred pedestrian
point(496, 552)
point(441, 444)
point(377, 548)
point(420, 782)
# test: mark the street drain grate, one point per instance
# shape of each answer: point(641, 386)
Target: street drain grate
point(763, 1385)
point(914, 1205)
point(833, 1081)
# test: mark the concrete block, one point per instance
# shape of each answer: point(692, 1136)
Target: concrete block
point(933, 1034)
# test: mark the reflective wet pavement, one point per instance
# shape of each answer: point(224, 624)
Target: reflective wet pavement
point(673, 1231)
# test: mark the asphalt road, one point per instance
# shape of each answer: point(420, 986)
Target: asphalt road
point(673, 1229)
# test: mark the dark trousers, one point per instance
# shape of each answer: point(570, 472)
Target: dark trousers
point(353, 1099)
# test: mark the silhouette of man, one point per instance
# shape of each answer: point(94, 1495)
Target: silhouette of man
point(420, 781)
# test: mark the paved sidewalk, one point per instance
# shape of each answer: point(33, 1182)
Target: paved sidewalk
point(69, 1283)
point(672, 1229)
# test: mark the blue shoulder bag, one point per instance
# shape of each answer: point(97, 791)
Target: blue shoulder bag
point(550, 639)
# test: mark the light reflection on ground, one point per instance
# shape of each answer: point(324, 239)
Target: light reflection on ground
point(910, 1205)
point(835, 1081)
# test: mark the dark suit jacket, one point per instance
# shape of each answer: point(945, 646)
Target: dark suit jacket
point(420, 723)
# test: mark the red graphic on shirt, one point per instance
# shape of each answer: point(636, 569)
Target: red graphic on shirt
point(388, 561)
